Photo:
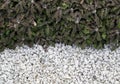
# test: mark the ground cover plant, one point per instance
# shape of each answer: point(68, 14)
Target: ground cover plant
point(46, 22)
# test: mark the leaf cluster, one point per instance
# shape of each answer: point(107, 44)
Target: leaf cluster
point(45, 22)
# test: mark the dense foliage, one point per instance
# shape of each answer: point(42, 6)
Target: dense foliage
point(79, 22)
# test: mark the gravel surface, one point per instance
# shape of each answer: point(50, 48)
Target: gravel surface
point(59, 65)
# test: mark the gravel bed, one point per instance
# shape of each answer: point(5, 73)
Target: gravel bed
point(59, 65)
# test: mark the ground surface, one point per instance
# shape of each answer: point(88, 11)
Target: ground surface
point(59, 65)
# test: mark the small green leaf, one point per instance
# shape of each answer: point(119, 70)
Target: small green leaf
point(47, 30)
point(86, 31)
point(104, 36)
point(98, 36)
point(7, 32)
point(89, 42)
point(83, 45)
point(64, 5)
point(100, 46)
point(118, 25)
point(29, 33)
point(70, 19)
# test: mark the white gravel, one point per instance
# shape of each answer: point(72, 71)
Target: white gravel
point(59, 65)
